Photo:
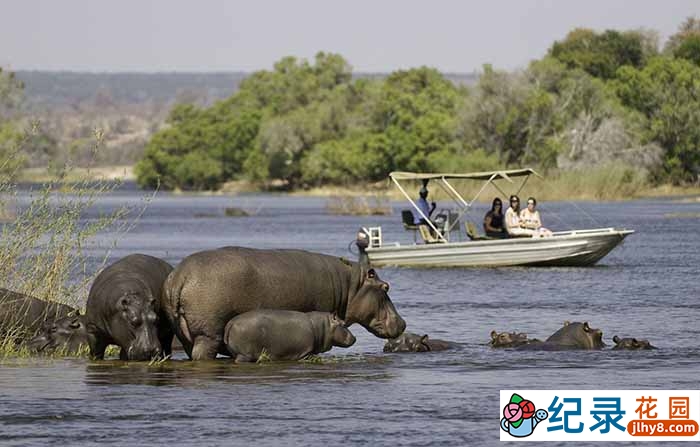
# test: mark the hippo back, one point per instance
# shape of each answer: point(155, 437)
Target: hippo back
point(209, 288)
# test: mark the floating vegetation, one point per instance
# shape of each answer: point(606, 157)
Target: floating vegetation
point(235, 212)
point(359, 206)
point(682, 216)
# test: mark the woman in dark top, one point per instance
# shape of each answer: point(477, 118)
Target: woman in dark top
point(493, 221)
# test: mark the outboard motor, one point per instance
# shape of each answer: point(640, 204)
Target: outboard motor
point(362, 242)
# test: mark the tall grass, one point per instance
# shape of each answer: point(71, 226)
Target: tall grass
point(43, 246)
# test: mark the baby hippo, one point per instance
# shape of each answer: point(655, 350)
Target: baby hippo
point(284, 334)
point(410, 342)
point(66, 335)
point(631, 343)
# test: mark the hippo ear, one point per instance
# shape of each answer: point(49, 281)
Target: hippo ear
point(566, 322)
point(424, 338)
point(494, 335)
point(586, 327)
point(634, 340)
point(74, 313)
point(616, 339)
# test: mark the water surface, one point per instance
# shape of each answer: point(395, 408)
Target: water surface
point(647, 288)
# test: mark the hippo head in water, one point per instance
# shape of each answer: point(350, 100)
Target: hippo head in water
point(371, 307)
point(408, 342)
point(508, 339)
point(66, 335)
point(631, 343)
point(577, 336)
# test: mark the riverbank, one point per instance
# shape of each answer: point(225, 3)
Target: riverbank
point(40, 175)
point(613, 183)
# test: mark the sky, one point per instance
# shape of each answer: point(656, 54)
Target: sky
point(372, 35)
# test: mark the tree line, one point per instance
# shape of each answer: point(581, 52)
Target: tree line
point(594, 98)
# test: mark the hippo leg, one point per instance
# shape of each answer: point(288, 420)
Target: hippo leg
point(240, 358)
point(204, 348)
point(98, 345)
point(165, 336)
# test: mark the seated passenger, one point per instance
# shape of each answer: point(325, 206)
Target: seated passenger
point(530, 219)
point(513, 224)
point(426, 209)
point(493, 220)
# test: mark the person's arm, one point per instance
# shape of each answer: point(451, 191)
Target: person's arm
point(537, 220)
point(487, 222)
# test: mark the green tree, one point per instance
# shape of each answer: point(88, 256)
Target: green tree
point(600, 54)
point(667, 94)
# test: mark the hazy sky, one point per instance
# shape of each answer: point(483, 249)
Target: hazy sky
point(373, 35)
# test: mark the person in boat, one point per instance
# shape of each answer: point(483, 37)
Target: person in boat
point(530, 219)
point(426, 209)
point(513, 223)
point(493, 220)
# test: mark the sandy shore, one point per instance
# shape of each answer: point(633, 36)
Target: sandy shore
point(94, 173)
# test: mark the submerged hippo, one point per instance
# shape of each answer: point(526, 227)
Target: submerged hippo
point(410, 342)
point(67, 335)
point(211, 287)
point(124, 309)
point(510, 339)
point(631, 343)
point(22, 316)
point(570, 336)
point(284, 334)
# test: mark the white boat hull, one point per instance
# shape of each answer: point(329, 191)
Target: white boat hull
point(571, 248)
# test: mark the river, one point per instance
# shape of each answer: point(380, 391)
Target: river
point(647, 288)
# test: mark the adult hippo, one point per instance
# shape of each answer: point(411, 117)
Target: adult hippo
point(631, 343)
point(66, 335)
point(22, 316)
point(510, 339)
point(570, 336)
point(410, 342)
point(211, 287)
point(124, 309)
point(284, 334)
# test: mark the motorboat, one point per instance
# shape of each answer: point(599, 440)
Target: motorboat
point(439, 246)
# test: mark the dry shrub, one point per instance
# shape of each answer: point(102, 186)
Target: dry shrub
point(43, 248)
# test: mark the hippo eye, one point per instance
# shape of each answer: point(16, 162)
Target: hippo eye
point(371, 273)
point(586, 327)
point(74, 325)
point(124, 302)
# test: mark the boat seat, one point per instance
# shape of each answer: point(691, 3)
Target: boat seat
point(427, 236)
point(471, 232)
point(409, 222)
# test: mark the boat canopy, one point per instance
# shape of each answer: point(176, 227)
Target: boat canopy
point(489, 175)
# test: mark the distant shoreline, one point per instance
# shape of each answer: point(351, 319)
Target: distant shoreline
point(566, 187)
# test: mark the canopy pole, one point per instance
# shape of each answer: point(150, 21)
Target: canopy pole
point(426, 218)
point(522, 185)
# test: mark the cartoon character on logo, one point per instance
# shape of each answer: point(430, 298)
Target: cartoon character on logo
point(520, 417)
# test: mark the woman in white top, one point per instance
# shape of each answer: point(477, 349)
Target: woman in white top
point(513, 221)
point(530, 219)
